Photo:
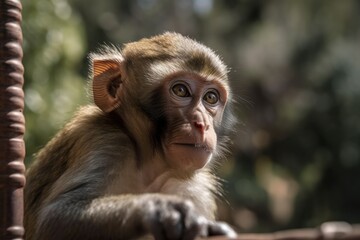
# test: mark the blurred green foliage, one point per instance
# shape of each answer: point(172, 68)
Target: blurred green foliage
point(295, 70)
point(54, 45)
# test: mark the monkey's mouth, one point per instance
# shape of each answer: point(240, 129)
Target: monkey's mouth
point(199, 146)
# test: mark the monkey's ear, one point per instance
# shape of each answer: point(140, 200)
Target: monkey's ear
point(106, 83)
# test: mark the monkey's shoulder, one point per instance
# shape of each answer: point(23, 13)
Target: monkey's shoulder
point(89, 132)
point(86, 131)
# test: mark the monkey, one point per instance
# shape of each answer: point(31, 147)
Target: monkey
point(137, 162)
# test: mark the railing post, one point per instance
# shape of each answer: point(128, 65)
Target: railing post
point(12, 123)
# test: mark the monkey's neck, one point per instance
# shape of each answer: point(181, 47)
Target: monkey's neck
point(157, 172)
point(154, 171)
point(158, 182)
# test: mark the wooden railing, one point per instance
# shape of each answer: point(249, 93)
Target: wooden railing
point(12, 123)
point(327, 231)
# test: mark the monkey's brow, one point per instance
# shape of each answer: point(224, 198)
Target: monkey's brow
point(201, 62)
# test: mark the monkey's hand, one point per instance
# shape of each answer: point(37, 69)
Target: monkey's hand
point(173, 218)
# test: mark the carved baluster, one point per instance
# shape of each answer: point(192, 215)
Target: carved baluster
point(12, 123)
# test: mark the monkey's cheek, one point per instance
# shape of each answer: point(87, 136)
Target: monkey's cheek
point(188, 158)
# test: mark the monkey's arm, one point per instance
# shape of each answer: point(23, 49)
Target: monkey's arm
point(125, 217)
point(76, 209)
point(114, 217)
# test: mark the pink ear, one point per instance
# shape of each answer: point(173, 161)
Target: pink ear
point(106, 83)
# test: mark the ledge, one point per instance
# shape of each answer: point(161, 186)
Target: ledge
point(327, 231)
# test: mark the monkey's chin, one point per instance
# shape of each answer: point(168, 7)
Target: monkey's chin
point(189, 157)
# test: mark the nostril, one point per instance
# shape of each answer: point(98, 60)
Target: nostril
point(200, 126)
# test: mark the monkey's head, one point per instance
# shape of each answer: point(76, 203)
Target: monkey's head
point(172, 94)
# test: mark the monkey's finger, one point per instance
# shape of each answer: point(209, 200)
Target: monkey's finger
point(152, 222)
point(194, 226)
point(156, 230)
point(190, 228)
point(198, 228)
point(172, 224)
point(221, 228)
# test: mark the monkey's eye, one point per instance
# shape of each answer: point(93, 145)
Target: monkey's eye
point(180, 90)
point(211, 97)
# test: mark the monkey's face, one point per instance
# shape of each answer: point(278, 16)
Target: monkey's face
point(194, 107)
point(170, 93)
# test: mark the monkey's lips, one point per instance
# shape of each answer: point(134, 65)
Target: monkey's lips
point(195, 146)
point(189, 156)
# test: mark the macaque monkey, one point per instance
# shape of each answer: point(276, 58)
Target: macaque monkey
point(138, 163)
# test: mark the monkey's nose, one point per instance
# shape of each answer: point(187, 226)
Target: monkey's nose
point(200, 126)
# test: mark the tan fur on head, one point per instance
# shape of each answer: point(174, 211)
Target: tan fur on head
point(187, 54)
point(151, 59)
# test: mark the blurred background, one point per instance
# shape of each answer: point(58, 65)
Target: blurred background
point(295, 73)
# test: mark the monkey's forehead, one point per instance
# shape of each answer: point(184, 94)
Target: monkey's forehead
point(180, 69)
point(171, 52)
